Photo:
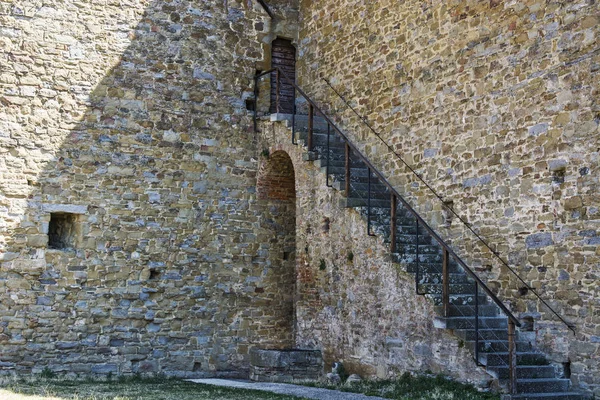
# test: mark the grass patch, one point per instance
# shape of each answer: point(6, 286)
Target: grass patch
point(409, 387)
point(135, 388)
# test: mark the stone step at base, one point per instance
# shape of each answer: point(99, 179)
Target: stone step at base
point(523, 371)
point(547, 396)
point(549, 385)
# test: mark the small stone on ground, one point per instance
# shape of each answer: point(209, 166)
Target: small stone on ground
point(287, 389)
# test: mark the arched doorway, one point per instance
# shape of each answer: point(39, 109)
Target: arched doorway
point(276, 195)
point(283, 56)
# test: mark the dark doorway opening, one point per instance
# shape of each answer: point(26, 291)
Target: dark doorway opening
point(283, 56)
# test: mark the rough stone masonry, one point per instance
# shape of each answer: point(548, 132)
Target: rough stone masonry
point(145, 228)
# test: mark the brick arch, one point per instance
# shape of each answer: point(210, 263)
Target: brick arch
point(276, 195)
point(276, 178)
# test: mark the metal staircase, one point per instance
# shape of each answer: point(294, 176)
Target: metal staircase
point(465, 304)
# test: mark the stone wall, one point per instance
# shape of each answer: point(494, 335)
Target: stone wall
point(127, 120)
point(495, 105)
point(353, 303)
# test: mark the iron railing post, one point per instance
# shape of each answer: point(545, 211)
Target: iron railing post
point(369, 202)
point(347, 174)
point(277, 89)
point(255, 103)
point(512, 358)
point(294, 118)
point(393, 227)
point(445, 283)
point(311, 116)
point(477, 323)
point(328, 155)
point(417, 275)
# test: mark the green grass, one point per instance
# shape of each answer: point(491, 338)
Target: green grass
point(40, 388)
point(409, 387)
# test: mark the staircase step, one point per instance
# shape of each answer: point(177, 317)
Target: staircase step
point(551, 385)
point(336, 158)
point(530, 358)
point(423, 259)
point(423, 249)
point(374, 194)
point(484, 334)
point(524, 371)
point(486, 310)
point(353, 202)
point(436, 278)
point(469, 323)
point(457, 299)
point(412, 239)
point(455, 288)
point(550, 396)
point(490, 346)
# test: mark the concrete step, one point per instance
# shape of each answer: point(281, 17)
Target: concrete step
point(523, 371)
point(547, 385)
point(529, 358)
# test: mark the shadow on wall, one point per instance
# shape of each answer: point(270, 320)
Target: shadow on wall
point(143, 180)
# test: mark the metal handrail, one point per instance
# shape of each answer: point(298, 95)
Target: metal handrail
point(461, 219)
point(498, 302)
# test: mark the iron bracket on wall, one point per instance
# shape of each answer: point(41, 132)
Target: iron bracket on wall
point(265, 6)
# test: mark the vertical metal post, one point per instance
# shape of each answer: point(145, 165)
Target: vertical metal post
point(311, 116)
point(393, 227)
point(328, 154)
point(277, 89)
point(417, 275)
point(369, 201)
point(347, 183)
point(445, 283)
point(255, 103)
point(294, 118)
point(512, 358)
point(477, 323)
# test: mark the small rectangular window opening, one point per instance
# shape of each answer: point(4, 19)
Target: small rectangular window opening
point(62, 231)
